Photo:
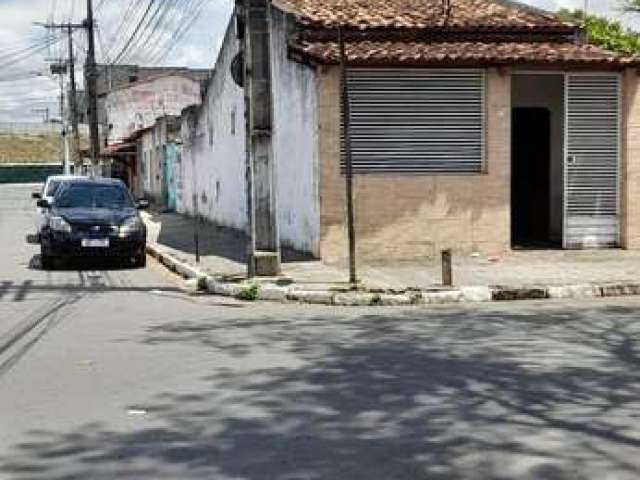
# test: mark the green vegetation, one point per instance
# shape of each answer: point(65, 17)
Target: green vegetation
point(249, 294)
point(608, 34)
point(631, 6)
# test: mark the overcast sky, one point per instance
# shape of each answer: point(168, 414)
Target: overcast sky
point(22, 91)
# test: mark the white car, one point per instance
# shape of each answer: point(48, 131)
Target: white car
point(47, 193)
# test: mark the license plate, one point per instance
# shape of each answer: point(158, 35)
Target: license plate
point(95, 242)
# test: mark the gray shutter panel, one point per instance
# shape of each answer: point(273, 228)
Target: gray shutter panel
point(592, 160)
point(417, 121)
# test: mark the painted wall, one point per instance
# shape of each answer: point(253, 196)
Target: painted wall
point(413, 217)
point(147, 160)
point(547, 91)
point(137, 107)
point(213, 157)
point(213, 168)
point(295, 144)
point(630, 171)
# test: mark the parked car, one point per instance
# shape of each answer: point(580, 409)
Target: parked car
point(47, 193)
point(92, 217)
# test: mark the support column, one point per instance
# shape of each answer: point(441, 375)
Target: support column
point(264, 254)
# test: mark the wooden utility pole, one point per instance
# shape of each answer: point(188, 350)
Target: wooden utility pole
point(90, 81)
point(346, 126)
point(264, 249)
point(75, 138)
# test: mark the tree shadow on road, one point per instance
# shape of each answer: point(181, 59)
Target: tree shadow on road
point(470, 394)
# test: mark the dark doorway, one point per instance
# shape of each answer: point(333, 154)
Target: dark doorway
point(530, 185)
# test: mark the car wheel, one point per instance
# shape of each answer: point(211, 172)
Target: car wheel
point(46, 261)
point(140, 260)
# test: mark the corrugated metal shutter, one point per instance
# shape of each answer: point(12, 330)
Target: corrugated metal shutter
point(592, 161)
point(417, 121)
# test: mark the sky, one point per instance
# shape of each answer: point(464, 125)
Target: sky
point(26, 87)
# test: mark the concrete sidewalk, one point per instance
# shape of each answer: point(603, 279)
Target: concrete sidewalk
point(526, 274)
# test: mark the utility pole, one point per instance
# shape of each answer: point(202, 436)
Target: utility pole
point(75, 139)
point(60, 68)
point(264, 249)
point(346, 125)
point(69, 27)
point(63, 133)
point(90, 80)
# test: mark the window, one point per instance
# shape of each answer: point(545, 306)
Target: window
point(94, 196)
point(52, 188)
point(416, 121)
point(133, 78)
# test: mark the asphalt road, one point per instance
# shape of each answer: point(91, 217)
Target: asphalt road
point(117, 374)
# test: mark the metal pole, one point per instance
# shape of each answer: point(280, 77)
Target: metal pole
point(346, 125)
point(75, 139)
point(67, 154)
point(447, 273)
point(90, 75)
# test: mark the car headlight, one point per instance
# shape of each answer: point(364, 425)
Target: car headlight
point(59, 224)
point(130, 225)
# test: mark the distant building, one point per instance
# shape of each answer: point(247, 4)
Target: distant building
point(137, 106)
point(112, 77)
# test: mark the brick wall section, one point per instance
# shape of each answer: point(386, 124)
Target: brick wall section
point(405, 217)
point(630, 188)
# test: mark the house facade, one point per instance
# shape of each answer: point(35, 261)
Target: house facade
point(480, 126)
point(143, 133)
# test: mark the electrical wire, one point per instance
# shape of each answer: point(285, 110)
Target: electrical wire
point(135, 32)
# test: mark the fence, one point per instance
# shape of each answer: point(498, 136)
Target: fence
point(28, 173)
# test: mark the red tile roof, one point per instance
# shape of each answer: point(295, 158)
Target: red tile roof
point(365, 14)
point(458, 53)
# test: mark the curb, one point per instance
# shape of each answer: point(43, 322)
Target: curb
point(252, 291)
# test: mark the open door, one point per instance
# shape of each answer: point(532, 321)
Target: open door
point(592, 161)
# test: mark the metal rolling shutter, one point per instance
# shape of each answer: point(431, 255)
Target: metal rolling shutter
point(417, 121)
point(592, 160)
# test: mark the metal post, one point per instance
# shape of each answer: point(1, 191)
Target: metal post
point(67, 154)
point(196, 236)
point(346, 125)
point(447, 269)
point(90, 77)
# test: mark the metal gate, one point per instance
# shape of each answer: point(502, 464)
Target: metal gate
point(417, 121)
point(592, 161)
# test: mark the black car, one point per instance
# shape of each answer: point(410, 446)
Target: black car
point(92, 217)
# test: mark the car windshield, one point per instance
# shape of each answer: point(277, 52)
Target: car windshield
point(112, 197)
point(52, 188)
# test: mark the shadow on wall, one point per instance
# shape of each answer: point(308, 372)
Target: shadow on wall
point(468, 394)
point(178, 231)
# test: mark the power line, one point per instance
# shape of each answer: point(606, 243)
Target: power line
point(135, 32)
point(152, 26)
point(173, 41)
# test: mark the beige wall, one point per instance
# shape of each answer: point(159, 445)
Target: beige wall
point(630, 193)
point(410, 217)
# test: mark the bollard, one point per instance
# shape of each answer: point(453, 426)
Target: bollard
point(196, 238)
point(447, 274)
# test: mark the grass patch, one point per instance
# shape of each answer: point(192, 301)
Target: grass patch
point(250, 293)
